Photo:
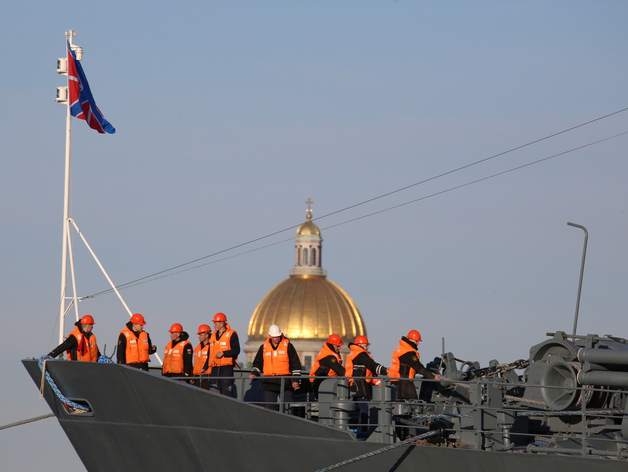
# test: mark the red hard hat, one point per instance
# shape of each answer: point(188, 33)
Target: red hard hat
point(176, 328)
point(220, 317)
point(414, 335)
point(204, 329)
point(361, 340)
point(87, 319)
point(335, 340)
point(138, 319)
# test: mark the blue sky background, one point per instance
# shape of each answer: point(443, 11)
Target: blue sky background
point(229, 115)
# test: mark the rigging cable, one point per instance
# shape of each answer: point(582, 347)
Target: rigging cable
point(162, 274)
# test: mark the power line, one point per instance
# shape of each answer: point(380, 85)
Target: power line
point(164, 273)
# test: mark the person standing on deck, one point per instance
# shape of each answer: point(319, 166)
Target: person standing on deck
point(406, 364)
point(361, 364)
point(177, 354)
point(223, 354)
point(81, 343)
point(134, 345)
point(328, 363)
point(277, 357)
point(201, 354)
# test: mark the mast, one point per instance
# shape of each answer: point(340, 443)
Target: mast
point(63, 97)
point(102, 126)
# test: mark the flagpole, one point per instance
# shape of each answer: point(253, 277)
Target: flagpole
point(66, 202)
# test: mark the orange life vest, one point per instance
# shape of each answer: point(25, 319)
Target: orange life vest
point(136, 346)
point(276, 361)
point(200, 357)
point(326, 351)
point(355, 351)
point(173, 357)
point(85, 344)
point(221, 345)
point(402, 349)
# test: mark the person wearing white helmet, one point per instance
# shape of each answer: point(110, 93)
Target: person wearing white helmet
point(277, 357)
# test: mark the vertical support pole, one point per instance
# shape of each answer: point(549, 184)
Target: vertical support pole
point(584, 255)
point(66, 210)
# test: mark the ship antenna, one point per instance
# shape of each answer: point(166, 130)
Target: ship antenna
point(584, 255)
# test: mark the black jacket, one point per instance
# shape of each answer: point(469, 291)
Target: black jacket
point(121, 354)
point(361, 388)
point(273, 384)
point(70, 344)
point(188, 357)
point(326, 364)
point(233, 353)
point(409, 360)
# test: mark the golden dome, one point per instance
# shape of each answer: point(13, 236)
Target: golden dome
point(308, 229)
point(307, 307)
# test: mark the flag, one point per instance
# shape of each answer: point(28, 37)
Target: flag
point(82, 104)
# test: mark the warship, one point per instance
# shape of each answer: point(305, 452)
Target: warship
point(561, 409)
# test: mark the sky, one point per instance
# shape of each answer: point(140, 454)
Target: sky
point(230, 115)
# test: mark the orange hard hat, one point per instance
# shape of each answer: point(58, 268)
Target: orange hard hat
point(87, 319)
point(335, 340)
point(176, 328)
point(361, 340)
point(414, 335)
point(138, 319)
point(204, 329)
point(220, 317)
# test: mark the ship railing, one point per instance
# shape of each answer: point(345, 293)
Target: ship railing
point(479, 414)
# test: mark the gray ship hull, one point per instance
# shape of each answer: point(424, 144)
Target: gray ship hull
point(142, 421)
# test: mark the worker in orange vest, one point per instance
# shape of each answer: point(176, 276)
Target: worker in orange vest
point(201, 353)
point(406, 364)
point(177, 354)
point(328, 363)
point(361, 364)
point(134, 344)
point(277, 357)
point(223, 354)
point(81, 343)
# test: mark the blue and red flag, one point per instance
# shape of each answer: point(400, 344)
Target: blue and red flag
point(82, 104)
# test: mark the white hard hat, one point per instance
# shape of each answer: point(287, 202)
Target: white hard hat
point(274, 331)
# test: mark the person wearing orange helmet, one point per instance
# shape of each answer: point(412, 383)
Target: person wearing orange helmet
point(178, 356)
point(81, 343)
point(361, 364)
point(201, 353)
point(134, 344)
point(406, 364)
point(223, 354)
point(328, 363)
point(277, 357)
